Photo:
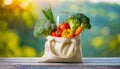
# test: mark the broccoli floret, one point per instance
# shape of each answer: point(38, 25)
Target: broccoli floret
point(43, 29)
point(83, 20)
point(73, 22)
point(78, 19)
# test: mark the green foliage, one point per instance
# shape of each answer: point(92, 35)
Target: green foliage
point(28, 51)
point(12, 19)
point(49, 14)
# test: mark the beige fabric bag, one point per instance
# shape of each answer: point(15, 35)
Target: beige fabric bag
point(59, 49)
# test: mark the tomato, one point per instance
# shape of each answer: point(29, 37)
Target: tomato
point(63, 26)
point(57, 33)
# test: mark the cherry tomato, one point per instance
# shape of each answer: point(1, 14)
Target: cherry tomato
point(63, 26)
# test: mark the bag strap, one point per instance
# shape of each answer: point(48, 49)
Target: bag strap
point(52, 41)
point(75, 48)
point(60, 13)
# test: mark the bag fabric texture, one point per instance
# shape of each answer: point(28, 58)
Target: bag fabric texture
point(59, 49)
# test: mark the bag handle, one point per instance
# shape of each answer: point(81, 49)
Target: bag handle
point(74, 49)
point(52, 41)
point(60, 13)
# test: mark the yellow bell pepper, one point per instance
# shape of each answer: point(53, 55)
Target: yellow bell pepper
point(67, 33)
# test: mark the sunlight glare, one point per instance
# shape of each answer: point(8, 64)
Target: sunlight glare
point(25, 3)
point(8, 2)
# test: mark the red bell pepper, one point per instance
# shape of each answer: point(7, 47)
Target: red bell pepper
point(56, 33)
point(63, 26)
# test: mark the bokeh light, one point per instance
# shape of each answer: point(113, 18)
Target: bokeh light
point(7, 2)
point(97, 41)
point(105, 31)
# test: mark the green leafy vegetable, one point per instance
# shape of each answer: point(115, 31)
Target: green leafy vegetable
point(49, 15)
point(45, 27)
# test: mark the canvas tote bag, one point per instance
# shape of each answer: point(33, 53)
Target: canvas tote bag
point(59, 49)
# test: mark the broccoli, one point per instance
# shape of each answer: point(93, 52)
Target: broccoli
point(44, 28)
point(77, 20)
point(74, 23)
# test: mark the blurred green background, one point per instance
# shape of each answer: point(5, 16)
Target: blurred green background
point(18, 17)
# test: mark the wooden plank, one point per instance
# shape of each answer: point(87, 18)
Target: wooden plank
point(32, 63)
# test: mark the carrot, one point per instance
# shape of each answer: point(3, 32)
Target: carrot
point(78, 30)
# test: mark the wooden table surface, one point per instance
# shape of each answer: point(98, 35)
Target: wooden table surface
point(32, 63)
